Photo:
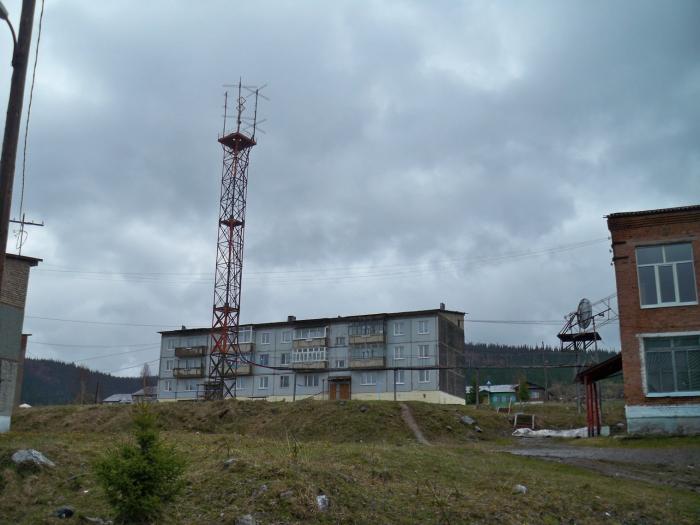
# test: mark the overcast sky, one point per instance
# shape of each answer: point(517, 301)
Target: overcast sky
point(415, 152)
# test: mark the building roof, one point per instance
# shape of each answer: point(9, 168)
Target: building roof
point(33, 261)
point(320, 320)
point(658, 211)
point(500, 389)
point(601, 370)
point(148, 391)
point(118, 398)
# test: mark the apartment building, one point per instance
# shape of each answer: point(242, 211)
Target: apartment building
point(657, 287)
point(416, 355)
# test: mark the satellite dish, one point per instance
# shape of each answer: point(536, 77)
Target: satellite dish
point(584, 313)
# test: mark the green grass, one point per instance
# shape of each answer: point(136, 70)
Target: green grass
point(640, 442)
point(366, 462)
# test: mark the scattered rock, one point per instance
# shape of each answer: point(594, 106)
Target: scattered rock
point(478, 429)
point(466, 420)
point(323, 502)
point(262, 490)
point(64, 512)
point(286, 494)
point(364, 408)
point(247, 519)
point(449, 428)
point(96, 521)
point(230, 462)
point(31, 457)
point(519, 489)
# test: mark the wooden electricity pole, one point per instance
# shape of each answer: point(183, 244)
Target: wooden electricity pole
point(20, 59)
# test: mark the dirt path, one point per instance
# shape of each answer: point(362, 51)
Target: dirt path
point(407, 417)
point(678, 466)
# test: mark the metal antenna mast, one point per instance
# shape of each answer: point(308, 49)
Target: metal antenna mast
point(225, 358)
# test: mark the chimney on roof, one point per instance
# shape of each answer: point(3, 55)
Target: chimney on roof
point(291, 318)
point(442, 306)
point(183, 327)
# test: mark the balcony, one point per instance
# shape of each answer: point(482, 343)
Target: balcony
point(367, 358)
point(188, 373)
point(310, 358)
point(367, 339)
point(246, 348)
point(242, 370)
point(190, 351)
point(310, 343)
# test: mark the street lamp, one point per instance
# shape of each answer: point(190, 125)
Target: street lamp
point(4, 15)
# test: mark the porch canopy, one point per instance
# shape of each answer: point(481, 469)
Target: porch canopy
point(589, 377)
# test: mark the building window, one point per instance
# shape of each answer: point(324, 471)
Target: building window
point(263, 382)
point(423, 351)
point(264, 359)
point(366, 328)
point(340, 363)
point(171, 344)
point(311, 380)
point(399, 353)
point(306, 355)
point(368, 378)
point(286, 336)
point(423, 327)
point(168, 364)
point(284, 381)
point(245, 334)
point(672, 364)
point(168, 385)
point(666, 275)
point(265, 338)
point(398, 327)
point(400, 377)
point(284, 359)
point(239, 383)
point(190, 387)
point(309, 333)
point(424, 376)
point(340, 340)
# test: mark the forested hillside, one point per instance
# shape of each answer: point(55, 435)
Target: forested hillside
point(49, 382)
point(499, 363)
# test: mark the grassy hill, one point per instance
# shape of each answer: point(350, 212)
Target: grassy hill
point(360, 454)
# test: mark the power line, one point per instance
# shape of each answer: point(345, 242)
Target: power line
point(115, 354)
point(312, 275)
point(108, 323)
point(70, 345)
point(29, 108)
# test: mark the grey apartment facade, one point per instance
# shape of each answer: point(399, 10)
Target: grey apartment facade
point(417, 355)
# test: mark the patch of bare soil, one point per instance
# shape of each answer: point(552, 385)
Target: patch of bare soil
point(407, 416)
point(677, 467)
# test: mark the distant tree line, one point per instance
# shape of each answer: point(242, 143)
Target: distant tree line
point(50, 382)
point(500, 363)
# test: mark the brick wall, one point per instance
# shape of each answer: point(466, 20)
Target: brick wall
point(14, 282)
point(628, 233)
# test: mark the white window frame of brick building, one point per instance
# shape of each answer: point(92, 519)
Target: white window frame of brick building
point(265, 338)
point(306, 334)
point(311, 380)
point(284, 381)
point(340, 363)
point(340, 340)
point(398, 328)
point(424, 376)
point(398, 353)
point(239, 383)
point(400, 377)
point(169, 364)
point(190, 386)
point(264, 359)
point(168, 385)
point(287, 336)
point(673, 345)
point(368, 379)
point(284, 358)
point(263, 383)
point(423, 351)
point(666, 268)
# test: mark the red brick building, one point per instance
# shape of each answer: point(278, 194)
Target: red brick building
point(656, 256)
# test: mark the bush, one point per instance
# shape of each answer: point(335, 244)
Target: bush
point(139, 478)
point(523, 390)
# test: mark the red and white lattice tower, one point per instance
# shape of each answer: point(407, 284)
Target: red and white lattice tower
point(225, 356)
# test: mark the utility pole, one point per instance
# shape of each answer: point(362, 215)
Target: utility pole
point(20, 59)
